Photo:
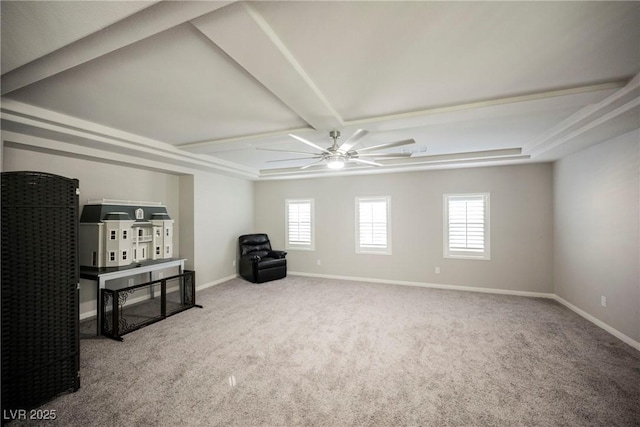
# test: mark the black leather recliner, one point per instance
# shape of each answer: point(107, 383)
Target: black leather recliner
point(258, 262)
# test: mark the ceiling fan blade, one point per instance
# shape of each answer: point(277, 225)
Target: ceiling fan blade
point(311, 164)
point(386, 155)
point(353, 140)
point(286, 151)
point(365, 162)
point(392, 144)
point(298, 158)
point(310, 144)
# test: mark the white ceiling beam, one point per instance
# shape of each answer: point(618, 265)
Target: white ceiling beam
point(505, 153)
point(536, 101)
point(34, 143)
point(496, 155)
point(617, 104)
point(321, 171)
point(243, 34)
point(503, 107)
point(221, 144)
point(26, 120)
point(143, 24)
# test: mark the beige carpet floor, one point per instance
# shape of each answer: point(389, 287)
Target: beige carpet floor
point(316, 352)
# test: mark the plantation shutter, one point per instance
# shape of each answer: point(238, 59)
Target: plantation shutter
point(466, 223)
point(299, 227)
point(373, 223)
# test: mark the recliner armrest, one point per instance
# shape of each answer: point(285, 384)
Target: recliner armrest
point(252, 258)
point(277, 254)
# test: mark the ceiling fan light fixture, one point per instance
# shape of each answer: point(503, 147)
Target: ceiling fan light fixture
point(336, 156)
point(336, 162)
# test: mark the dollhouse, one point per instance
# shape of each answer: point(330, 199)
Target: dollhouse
point(117, 233)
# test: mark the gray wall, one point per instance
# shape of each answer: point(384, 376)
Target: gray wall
point(597, 231)
point(521, 226)
point(223, 210)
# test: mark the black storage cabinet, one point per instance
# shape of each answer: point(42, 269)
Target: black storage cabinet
point(40, 323)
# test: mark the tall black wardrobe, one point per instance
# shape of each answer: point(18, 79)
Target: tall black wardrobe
point(40, 329)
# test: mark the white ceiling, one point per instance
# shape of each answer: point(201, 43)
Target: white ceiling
point(209, 82)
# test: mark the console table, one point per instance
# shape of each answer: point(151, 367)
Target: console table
point(101, 275)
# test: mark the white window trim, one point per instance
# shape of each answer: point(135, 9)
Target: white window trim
point(373, 251)
point(482, 256)
point(302, 246)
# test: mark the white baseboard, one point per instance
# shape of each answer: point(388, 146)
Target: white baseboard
point(429, 285)
point(88, 314)
point(613, 331)
point(215, 282)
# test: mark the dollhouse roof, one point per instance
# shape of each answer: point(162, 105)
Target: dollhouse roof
point(117, 216)
point(96, 213)
point(160, 215)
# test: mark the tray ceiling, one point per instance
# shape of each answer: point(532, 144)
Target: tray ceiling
point(210, 82)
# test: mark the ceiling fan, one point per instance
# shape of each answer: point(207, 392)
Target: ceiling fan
point(337, 156)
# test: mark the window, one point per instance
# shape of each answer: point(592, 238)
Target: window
point(168, 250)
point(124, 255)
point(113, 235)
point(373, 219)
point(299, 224)
point(466, 226)
point(112, 256)
point(124, 234)
point(167, 232)
point(157, 250)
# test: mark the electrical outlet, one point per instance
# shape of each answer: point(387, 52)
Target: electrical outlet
point(437, 270)
point(319, 262)
point(603, 301)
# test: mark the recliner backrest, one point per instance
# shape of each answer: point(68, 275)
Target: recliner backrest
point(254, 243)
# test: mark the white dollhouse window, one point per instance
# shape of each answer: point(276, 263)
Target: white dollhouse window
point(168, 249)
point(112, 256)
point(158, 232)
point(113, 235)
point(139, 213)
point(157, 250)
point(140, 232)
point(124, 255)
point(124, 234)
